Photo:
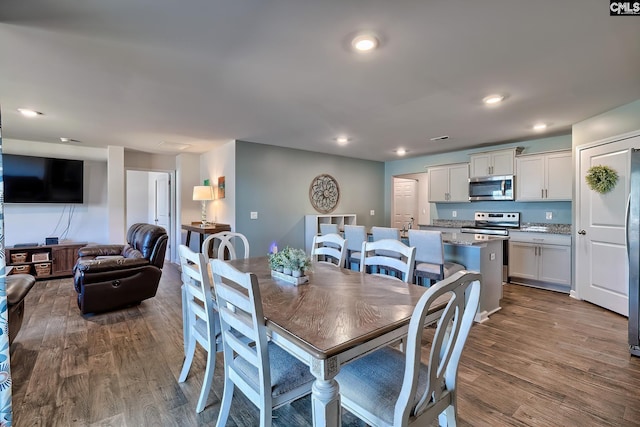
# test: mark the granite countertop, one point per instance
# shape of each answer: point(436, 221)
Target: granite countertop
point(529, 227)
point(468, 239)
point(535, 227)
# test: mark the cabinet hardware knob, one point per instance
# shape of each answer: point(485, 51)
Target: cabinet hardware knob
point(582, 232)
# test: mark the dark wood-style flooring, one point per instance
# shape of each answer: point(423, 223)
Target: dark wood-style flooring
point(543, 360)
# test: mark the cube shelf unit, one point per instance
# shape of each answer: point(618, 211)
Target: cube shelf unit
point(312, 225)
point(44, 261)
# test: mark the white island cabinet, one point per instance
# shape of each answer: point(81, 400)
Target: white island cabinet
point(481, 253)
point(541, 260)
point(449, 183)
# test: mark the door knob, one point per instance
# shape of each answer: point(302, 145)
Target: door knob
point(582, 232)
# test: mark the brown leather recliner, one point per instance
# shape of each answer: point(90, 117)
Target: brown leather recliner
point(18, 286)
point(107, 277)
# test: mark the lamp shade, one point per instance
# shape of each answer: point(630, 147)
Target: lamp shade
point(202, 192)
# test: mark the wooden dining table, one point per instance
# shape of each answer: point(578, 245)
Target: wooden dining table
point(338, 316)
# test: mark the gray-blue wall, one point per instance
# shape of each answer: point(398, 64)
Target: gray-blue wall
point(274, 182)
point(531, 211)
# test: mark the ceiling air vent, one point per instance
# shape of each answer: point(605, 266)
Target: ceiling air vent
point(440, 138)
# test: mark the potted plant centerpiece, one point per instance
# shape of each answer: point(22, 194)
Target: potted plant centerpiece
point(290, 265)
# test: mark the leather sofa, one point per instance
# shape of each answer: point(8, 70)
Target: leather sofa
point(18, 286)
point(107, 277)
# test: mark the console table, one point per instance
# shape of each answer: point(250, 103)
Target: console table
point(197, 227)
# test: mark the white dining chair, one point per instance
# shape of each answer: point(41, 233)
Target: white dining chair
point(225, 245)
point(380, 233)
point(266, 374)
point(329, 249)
point(430, 263)
point(391, 388)
point(355, 235)
point(200, 318)
point(390, 256)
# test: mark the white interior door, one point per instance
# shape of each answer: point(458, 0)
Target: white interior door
point(405, 202)
point(601, 256)
point(162, 206)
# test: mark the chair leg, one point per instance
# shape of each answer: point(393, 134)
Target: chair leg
point(185, 318)
point(448, 417)
point(188, 358)
point(208, 378)
point(225, 406)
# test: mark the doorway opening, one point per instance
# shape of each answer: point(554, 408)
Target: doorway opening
point(150, 198)
point(409, 201)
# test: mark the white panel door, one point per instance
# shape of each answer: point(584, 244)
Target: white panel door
point(163, 206)
point(405, 202)
point(601, 257)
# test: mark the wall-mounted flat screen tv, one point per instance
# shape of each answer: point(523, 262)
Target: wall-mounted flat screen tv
point(30, 179)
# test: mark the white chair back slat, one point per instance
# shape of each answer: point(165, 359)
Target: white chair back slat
point(225, 244)
point(330, 245)
point(401, 257)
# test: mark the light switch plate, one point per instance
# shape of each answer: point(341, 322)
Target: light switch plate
point(372, 212)
point(454, 214)
point(254, 215)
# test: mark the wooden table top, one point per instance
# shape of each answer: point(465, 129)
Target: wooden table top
point(336, 310)
point(209, 229)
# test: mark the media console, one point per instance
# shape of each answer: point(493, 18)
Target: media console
point(43, 261)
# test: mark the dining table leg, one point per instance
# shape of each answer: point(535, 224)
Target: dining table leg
point(325, 396)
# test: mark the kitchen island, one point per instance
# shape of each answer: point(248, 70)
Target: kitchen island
point(483, 253)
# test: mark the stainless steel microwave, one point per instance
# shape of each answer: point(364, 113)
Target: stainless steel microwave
point(491, 188)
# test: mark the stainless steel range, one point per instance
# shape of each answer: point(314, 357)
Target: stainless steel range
point(497, 223)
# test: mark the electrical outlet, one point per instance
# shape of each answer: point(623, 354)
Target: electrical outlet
point(372, 212)
point(254, 215)
point(549, 215)
point(492, 256)
point(454, 214)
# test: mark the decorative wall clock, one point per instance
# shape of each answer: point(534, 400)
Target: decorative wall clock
point(324, 193)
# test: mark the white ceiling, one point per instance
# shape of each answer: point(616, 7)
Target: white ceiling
point(203, 72)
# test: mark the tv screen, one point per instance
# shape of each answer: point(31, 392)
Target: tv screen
point(30, 179)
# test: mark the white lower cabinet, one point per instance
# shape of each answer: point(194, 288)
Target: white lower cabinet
point(541, 261)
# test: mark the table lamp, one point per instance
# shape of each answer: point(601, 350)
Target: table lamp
point(203, 193)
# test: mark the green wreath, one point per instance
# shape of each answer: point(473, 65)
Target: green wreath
point(601, 178)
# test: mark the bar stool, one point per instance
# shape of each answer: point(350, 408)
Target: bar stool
point(430, 262)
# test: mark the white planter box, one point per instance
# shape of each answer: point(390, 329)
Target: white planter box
point(295, 280)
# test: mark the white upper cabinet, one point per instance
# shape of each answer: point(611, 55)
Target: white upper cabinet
point(449, 183)
point(546, 176)
point(490, 163)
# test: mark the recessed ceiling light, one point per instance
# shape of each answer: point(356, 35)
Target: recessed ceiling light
point(29, 113)
point(493, 99)
point(540, 126)
point(364, 42)
point(342, 140)
point(401, 151)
